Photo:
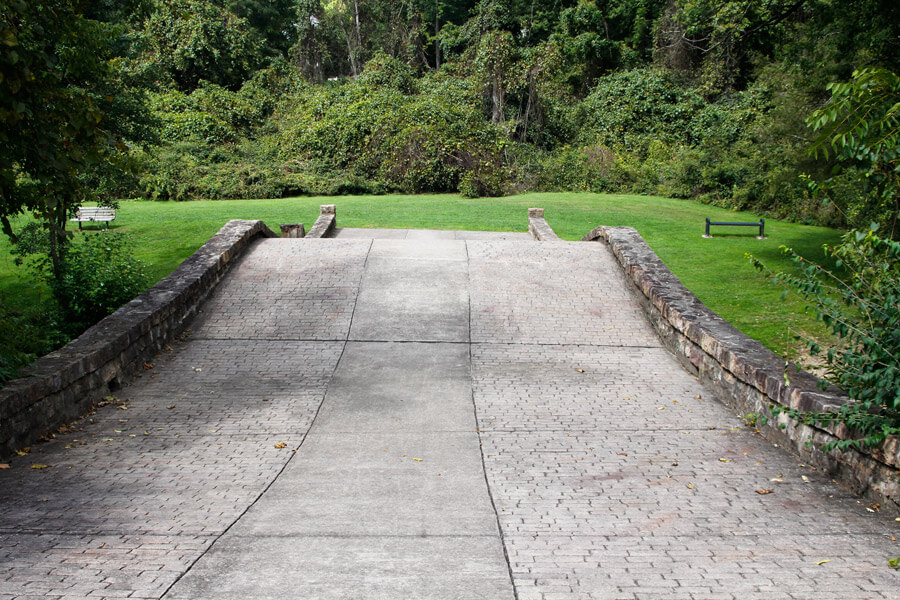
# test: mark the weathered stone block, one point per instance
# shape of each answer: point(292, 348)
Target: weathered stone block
point(748, 376)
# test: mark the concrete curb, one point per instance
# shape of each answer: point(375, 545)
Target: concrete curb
point(63, 385)
point(749, 377)
point(325, 224)
point(539, 228)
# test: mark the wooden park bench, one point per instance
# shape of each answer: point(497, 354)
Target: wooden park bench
point(94, 214)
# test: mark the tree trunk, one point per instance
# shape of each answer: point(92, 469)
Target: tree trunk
point(351, 53)
point(497, 100)
point(437, 42)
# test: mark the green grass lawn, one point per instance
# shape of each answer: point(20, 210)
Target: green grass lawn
point(714, 269)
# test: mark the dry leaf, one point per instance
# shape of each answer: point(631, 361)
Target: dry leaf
point(580, 370)
point(622, 453)
point(40, 466)
point(23, 451)
point(875, 507)
point(726, 460)
point(147, 366)
point(822, 562)
point(777, 480)
point(171, 406)
point(764, 492)
point(280, 445)
point(417, 459)
point(690, 486)
point(4, 466)
point(698, 397)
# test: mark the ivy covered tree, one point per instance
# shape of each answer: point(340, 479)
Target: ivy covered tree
point(186, 41)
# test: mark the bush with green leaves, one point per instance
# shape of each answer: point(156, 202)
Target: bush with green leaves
point(26, 334)
point(859, 301)
point(860, 128)
point(98, 275)
point(631, 108)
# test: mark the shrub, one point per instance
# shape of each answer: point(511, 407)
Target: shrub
point(98, 275)
point(860, 302)
point(26, 334)
point(631, 108)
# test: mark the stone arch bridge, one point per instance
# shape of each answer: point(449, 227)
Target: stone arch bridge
point(428, 414)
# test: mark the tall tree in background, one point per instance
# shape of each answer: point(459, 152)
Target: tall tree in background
point(344, 15)
point(272, 19)
point(307, 52)
point(190, 40)
point(63, 112)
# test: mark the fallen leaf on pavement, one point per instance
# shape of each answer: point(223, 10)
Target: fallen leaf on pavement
point(724, 460)
point(281, 445)
point(40, 466)
point(822, 562)
point(4, 466)
point(417, 459)
point(764, 492)
point(23, 451)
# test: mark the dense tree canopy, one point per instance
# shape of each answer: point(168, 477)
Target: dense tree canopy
point(696, 98)
point(64, 113)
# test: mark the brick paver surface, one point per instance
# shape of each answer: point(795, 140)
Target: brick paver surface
point(610, 471)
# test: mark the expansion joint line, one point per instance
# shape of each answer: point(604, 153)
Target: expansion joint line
point(295, 450)
point(487, 483)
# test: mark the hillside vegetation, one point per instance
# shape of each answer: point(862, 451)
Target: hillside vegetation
point(189, 99)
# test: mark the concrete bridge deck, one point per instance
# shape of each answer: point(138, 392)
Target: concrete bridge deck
point(426, 417)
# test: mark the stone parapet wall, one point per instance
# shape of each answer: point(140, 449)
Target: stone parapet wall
point(63, 385)
point(539, 228)
point(325, 224)
point(749, 377)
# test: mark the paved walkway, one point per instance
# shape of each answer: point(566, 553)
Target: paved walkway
point(429, 418)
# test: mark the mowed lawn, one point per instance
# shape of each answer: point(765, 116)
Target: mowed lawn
point(165, 233)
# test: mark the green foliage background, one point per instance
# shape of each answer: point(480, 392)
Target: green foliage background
point(703, 99)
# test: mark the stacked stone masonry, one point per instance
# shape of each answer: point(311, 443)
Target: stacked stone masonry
point(62, 386)
point(747, 375)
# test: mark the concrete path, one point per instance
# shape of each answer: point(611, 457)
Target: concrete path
point(429, 416)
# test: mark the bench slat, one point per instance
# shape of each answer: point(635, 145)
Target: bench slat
point(89, 214)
